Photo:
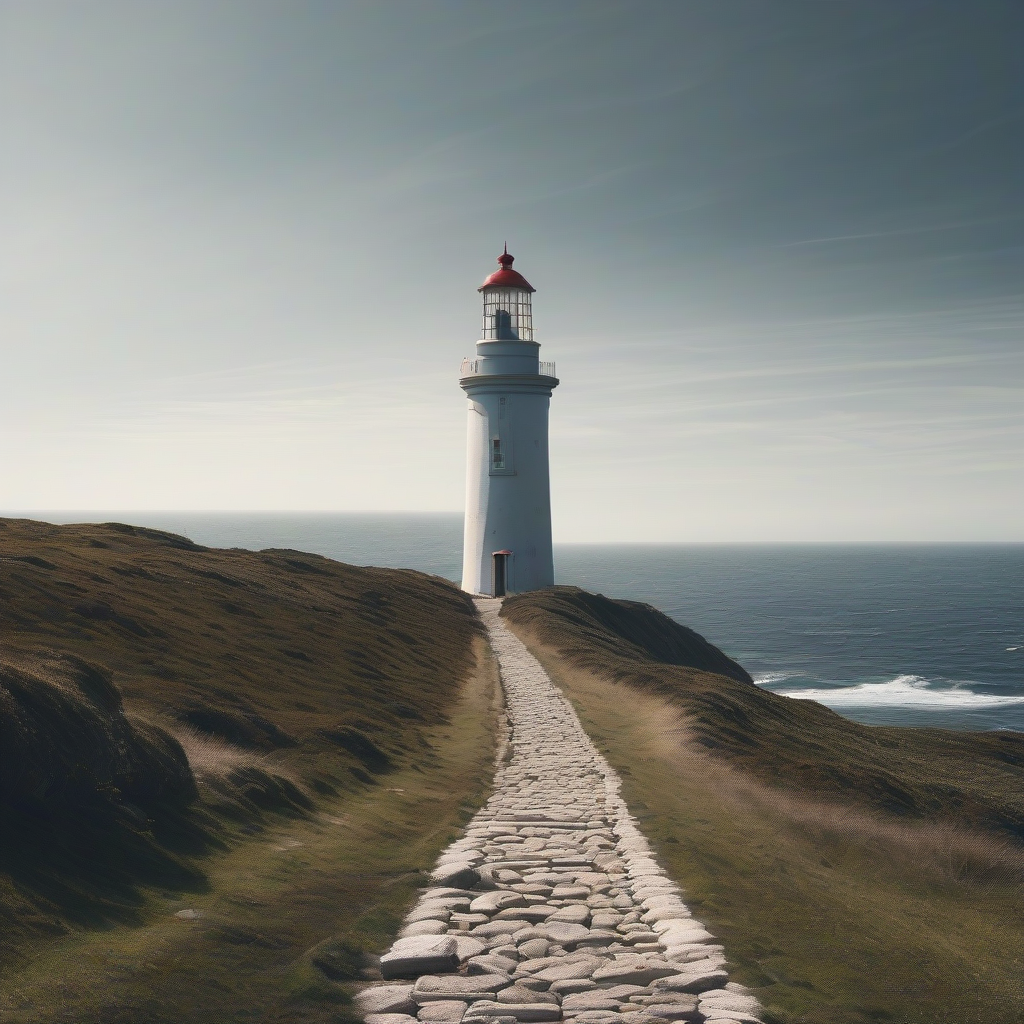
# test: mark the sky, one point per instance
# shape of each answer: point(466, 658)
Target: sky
point(777, 250)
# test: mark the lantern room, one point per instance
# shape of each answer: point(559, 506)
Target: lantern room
point(508, 314)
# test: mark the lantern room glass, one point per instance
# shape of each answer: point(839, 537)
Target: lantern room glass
point(508, 315)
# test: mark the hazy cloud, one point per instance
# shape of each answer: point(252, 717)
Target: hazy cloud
point(778, 251)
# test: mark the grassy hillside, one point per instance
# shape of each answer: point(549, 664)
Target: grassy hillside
point(855, 873)
point(220, 771)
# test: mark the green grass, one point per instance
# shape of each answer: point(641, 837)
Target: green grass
point(278, 909)
point(838, 898)
point(338, 724)
point(300, 738)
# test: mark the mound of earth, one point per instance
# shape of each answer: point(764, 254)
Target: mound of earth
point(160, 700)
point(965, 778)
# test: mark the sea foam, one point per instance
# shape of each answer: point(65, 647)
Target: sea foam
point(903, 691)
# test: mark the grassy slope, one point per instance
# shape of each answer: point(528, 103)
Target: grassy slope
point(338, 721)
point(854, 873)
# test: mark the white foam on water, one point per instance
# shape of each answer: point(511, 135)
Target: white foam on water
point(903, 691)
point(769, 678)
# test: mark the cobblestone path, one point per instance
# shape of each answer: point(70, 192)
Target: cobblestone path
point(551, 906)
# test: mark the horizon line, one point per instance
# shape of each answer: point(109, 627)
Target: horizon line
point(35, 514)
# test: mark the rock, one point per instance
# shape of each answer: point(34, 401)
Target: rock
point(735, 1017)
point(568, 969)
point(497, 899)
point(680, 937)
point(652, 995)
point(531, 915)
point(702, 979)
point(729, 1002)
point(389, 1018)
point(695, 953)
point(631, 973)
point(533, 948)
point(595, 1000)
point(680, 925)
point(464, 921)
point(640, 1017)
point(674, 1011)
point(438, 910)
point(532, 889)
point(596, 1017)
point(571, 915)
point(424, 928)
point(467, 947)
point(520, 1011)
point(570, 892)
point(536, 984)
point(486, 880)
point(490, 963)
point(458, 875)
point(492, 928)
point(625, 991)
point(419, 954)
point(564, 934)
point(445, 893)
point(520, 993)
point(571, 986)
point(674, 914)
point(467, 987)
point(444, 1011)
point(458, 859)
point(386, 999)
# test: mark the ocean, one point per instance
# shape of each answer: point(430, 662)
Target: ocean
point(895, 634)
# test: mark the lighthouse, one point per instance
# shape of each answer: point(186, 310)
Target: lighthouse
point(507, 539)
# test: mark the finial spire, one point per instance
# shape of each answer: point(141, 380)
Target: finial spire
point(506, 277)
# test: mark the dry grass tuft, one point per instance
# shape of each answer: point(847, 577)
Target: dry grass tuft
point(967, 780)
point(855, 875)
point(210, 757)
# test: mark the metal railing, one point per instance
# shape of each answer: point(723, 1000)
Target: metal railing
point(471, 368)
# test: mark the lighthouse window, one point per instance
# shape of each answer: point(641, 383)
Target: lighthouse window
point(497, 455)
point(508, 315)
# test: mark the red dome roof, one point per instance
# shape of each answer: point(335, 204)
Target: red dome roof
point(506, 277)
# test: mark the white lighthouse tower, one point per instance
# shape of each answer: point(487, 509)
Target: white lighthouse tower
point(507, 541)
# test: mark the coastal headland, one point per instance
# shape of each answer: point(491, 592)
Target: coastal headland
point(225, 776)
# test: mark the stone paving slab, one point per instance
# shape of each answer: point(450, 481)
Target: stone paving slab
point(551, 906)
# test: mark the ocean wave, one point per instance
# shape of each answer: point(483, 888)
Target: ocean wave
point(903, 691)
point(768, 678)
